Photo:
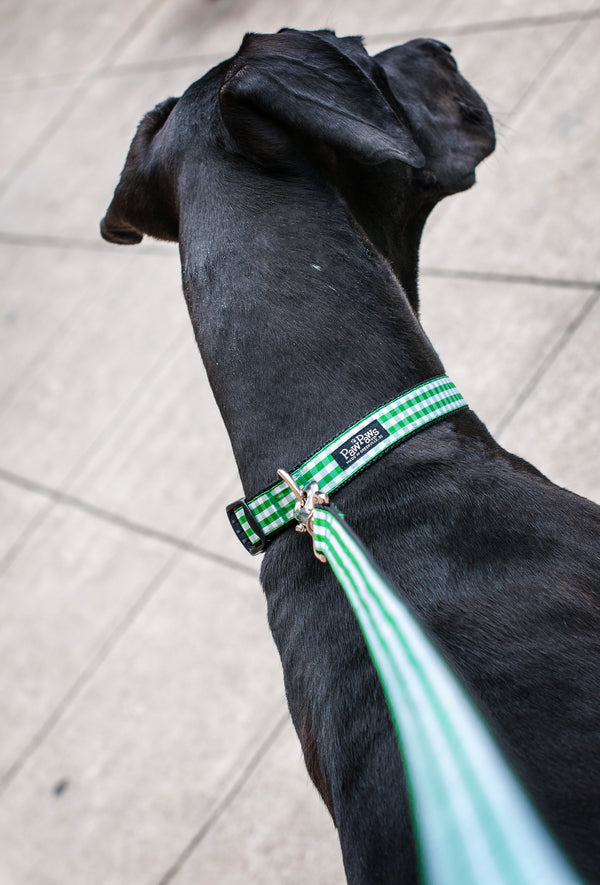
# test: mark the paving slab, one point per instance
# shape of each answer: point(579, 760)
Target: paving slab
point(162, 733)
point(68, 198)
point(88, 373)
point(284, 836)
point(24, 115)
point(170, 458)
point(463, 12)
point(558, 425)
point(66, 189)
point(61, 597)
point(177, 31)
point(493, 337)
point(18, 508)
point(535, 208)
point(216, 533)
point(41, 39)
point(44, 291)
point(142, 696)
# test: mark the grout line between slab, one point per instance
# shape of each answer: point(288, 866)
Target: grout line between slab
point(166, 356)
point(88, 672)
point(32, 241)
point(109, 68)
point(553, 62)
point(119, 629)
point(49, 241)
point(29, 154)
point(39, 82)
point(547, 362)
point(76, 96)
point(30, 529)
point(478, 27)
point(59, 333)
point(152, 65)
point(227, 800)
point(56, 497)
point(510, 279)
point(507, 123)
point(131, 31)
point(482, 27)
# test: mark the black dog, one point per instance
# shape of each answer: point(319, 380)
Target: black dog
point(297, 177)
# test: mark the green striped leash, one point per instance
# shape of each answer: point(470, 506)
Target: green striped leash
point(474, 823)
point(255, 521)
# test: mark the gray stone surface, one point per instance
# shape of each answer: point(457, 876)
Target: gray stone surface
point(46, 295)
point(62, 596)
point(493, 338)
point(63, 190)
point(536, 205)
point(178, 31)
point(145, 738)
point(466, 12)
point(93, 366)
point(116, 476)
point(26, 114)
point(557, 425)
point(40, 39)
point(18, 509)
point(276, 833)
point(155, 740)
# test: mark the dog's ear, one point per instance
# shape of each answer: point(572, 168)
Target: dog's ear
point(299, 87)
point(143, 201)
point(455, 129)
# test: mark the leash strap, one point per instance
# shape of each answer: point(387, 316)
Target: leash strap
point(254, 521)
point(474, 822)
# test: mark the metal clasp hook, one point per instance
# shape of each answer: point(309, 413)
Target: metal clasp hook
point(306, 500)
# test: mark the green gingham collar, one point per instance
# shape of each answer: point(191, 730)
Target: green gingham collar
point(256, 520)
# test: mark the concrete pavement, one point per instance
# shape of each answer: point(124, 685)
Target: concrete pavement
point(144, 736)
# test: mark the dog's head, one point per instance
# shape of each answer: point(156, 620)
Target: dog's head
point(394, 133)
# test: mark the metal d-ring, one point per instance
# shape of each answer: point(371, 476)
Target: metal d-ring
point(306, 500)
point(291, 482)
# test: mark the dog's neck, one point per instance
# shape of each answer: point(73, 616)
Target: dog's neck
point(303, 329)
point(391, 207)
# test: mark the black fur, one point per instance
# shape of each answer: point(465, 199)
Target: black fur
point(297, 177)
